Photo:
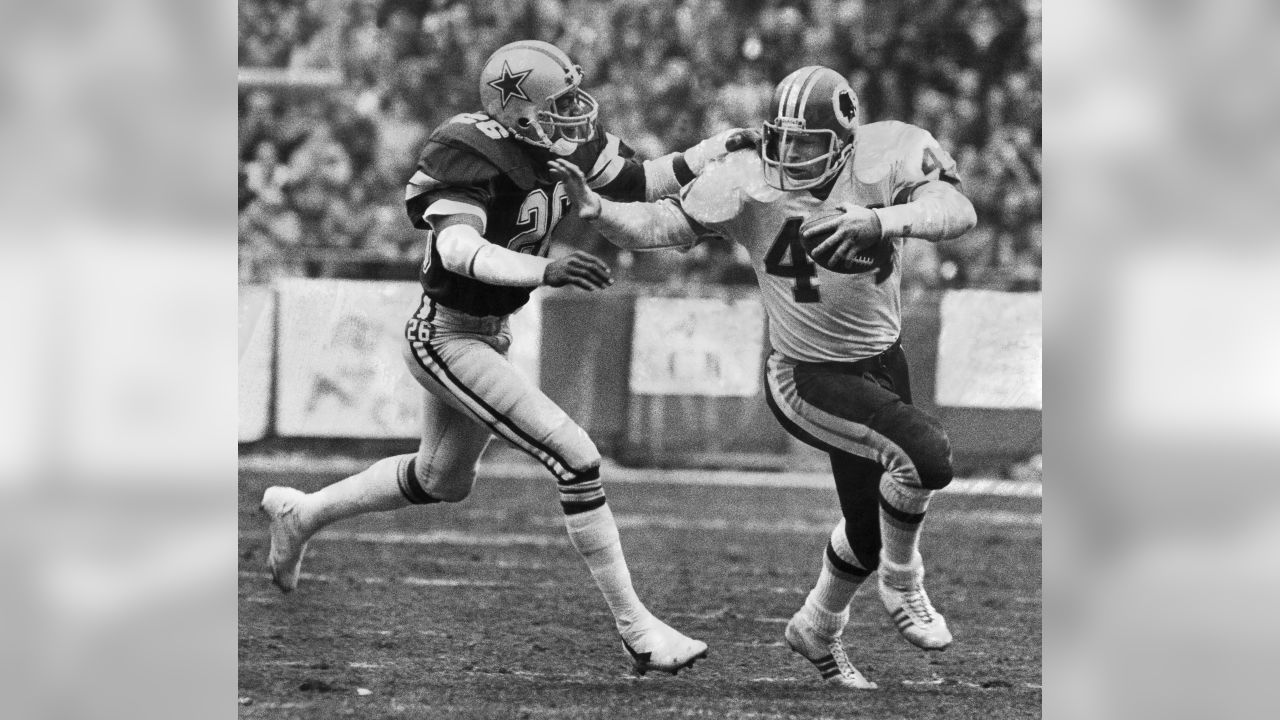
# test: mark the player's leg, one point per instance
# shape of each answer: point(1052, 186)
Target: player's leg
point(861, 413)
point(473, 372)
point(851, 555)
point(443, 470)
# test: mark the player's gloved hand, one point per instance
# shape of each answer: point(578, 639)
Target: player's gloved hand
point(741, 138)
point(852, 231)
point(575, 184)
point(579, 269)
point(719, 145)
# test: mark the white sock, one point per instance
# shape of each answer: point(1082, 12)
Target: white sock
point(839, 578)
point(902, 576)
point(827, 624)
point(376, 489)
point(901, 521)
point(594, 535)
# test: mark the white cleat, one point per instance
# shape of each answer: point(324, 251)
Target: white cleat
point(661, 647)
point(826, 653)
point(288, 540)
point(908, 604)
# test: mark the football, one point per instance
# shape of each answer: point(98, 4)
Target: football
point(859, 264)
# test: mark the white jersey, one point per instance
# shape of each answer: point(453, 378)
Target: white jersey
point(816, 315)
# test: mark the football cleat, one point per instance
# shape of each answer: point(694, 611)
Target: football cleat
point(826, 653)
point(288, 539)
point(908, 604)
point(661, 647)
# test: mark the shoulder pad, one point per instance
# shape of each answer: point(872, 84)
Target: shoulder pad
point(471, 142)
point(725, 186)
point(909, 152)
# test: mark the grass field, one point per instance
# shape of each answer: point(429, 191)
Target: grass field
point(483, 610)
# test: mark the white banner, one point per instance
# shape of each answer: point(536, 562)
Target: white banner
point(693, 346)
point(989, 350)
point(256, 338)
point(341, 373)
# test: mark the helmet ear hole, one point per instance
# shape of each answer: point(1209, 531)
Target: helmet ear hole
point(524, 122)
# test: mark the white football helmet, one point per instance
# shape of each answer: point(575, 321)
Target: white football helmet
point(812, 131)
point(533, 89)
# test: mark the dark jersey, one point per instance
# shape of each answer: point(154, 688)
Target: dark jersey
point(473, 162)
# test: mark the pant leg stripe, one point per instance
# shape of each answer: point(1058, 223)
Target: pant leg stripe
point(428, 360)
point(846, 435)
point(542, 447)
point(793, 428)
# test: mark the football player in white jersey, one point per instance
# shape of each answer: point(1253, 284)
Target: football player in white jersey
point(837, 376)
point(484, 195)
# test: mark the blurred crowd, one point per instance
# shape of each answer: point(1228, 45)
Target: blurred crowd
point(323, 167)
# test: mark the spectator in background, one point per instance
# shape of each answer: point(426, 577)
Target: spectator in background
point(743, 102)
point(265, 175)
point(368, 52)
point(320, 169)
point(670, 70)
point(257, 121)
point(400, 135)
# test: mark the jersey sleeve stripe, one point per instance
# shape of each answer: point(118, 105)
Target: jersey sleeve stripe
point(608, 165)
point(421, 183)
point(456, 207)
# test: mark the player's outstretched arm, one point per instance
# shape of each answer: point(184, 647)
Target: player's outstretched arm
point(463, 250)
point(666, 175)
point(634, 226)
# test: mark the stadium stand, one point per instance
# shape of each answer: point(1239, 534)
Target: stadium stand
point(322, 164)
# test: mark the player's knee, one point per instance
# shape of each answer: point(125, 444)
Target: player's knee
point(575, 447)
point(447, 483)
point(925, 443)
point(933, 459)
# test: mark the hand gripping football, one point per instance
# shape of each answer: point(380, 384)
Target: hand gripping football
point(858, 264)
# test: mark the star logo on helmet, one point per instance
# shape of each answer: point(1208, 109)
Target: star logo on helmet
point(509, 84)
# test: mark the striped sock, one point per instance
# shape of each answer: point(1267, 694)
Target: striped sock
point(594, 535)
point(840, 576)
point(380, 487)
point(902, 511)
point(582, 492)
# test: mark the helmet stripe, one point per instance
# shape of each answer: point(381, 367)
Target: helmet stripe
point(782, 101)
point(810, 83)
point(793, 95)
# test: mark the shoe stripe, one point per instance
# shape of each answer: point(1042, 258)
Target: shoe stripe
point(825, 666)
point(827, 675)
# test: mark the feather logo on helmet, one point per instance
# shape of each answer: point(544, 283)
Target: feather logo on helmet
point(846, 108)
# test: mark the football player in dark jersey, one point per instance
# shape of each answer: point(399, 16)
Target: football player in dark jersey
point(484, 194)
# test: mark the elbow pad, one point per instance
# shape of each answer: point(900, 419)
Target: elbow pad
point(660, 178)
point(937, 212)
point(465, 252)
point(645, 226)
